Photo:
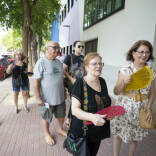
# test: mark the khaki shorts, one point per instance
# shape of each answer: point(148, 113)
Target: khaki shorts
point(47, 113)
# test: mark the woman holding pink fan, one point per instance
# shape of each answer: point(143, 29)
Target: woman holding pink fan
point(89, 95)
point(126, 128)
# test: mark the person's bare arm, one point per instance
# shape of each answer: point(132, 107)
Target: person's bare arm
point(65, 69)
point(122, 81)
point(96, 119)
point(39, 100)
point(152, 95)
point(9, 69)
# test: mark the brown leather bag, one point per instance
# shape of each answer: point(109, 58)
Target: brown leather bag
point(143, 122)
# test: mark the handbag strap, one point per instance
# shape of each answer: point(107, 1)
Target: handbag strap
point(85, 105)
point(72, 65)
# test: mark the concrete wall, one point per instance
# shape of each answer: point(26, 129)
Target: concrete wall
point(117, 33)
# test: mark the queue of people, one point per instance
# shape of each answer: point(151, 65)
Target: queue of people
point(88, 94)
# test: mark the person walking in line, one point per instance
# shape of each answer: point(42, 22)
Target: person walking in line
point(73, 69)
point(20, 79)
point(96, 96)
point(126, 128)
point(49, 90)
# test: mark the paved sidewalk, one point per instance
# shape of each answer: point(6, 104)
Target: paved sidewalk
point(22, 134)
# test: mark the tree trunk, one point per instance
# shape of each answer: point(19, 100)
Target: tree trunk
point(26, 26)
point(39, 46)
point(34, 50)
point(30, 65)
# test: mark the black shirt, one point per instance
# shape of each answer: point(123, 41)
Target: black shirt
point(93, 132)
point(20, 71)
point(76, 64)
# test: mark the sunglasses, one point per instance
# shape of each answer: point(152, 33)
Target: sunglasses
point(79, 46)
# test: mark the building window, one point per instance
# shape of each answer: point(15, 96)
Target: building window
point(70, 49)
point(60, 19)
point(65, 11)
point(68, 5)
point(67, 50)
point(62, 16)
point(96, 10)
point(72, 3)
point(91, 46)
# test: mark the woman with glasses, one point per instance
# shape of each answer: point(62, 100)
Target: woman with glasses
point(97, 99)
point(73, 69)
point(126, 128)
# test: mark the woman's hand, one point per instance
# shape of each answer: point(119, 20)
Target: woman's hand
point(149, 116)
point(98, 120)
point(110, 118)
point(127, 79)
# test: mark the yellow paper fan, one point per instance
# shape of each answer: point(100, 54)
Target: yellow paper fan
point(141, 79)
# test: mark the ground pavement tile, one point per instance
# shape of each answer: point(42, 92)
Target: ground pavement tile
point(22, 134)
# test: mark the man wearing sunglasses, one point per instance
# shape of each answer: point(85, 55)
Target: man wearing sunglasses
point(73, 68)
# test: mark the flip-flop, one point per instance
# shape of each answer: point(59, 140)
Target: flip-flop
point(111, 111)
point(27, 110)
point(49, 140)
point(63, 133)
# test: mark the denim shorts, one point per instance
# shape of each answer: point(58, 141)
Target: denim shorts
point(23, 87)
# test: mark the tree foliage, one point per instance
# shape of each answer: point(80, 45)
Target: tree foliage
point(12, 40)
point(42, 15)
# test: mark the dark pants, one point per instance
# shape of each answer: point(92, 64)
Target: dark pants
point(92, 147)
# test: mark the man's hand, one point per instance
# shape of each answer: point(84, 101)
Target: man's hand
point(40, 102)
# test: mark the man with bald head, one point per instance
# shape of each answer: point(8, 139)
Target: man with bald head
point(49, 90)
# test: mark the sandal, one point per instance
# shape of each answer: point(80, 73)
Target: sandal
point(16, 110)
point(49, 140)
point(26, 109)
point(63, 133)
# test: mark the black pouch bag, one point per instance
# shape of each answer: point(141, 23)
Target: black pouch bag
point(75, 145)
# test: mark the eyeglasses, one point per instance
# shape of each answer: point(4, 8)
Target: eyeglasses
point(96, 64)
point(143, 52)
point(55, 47)
point(79, 46)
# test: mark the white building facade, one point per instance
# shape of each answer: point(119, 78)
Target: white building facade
point(109, 27)
point(117, 32)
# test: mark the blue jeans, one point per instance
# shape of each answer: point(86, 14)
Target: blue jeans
point(23, 87)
